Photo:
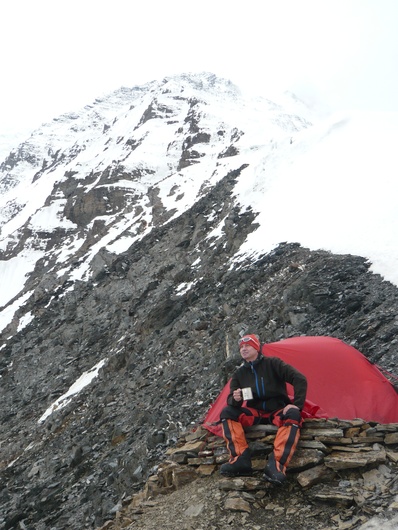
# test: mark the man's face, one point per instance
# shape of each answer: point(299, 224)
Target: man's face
point(247, 352)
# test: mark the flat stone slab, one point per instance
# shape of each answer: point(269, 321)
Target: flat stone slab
point(315, 475)
point(343, 460)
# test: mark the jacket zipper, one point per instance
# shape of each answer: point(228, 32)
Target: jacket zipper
point(260, 394)
point(262, 384)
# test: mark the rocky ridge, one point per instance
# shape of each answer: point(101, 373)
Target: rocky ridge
point(76, 467)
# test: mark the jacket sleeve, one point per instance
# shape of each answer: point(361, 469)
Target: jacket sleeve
point(296, 379)
point(234, 385)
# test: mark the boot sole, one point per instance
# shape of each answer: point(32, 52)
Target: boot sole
point(241, 474)
point(273, 481)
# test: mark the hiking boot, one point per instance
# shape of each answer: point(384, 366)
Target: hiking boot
point(241, 466)
point(271, 473)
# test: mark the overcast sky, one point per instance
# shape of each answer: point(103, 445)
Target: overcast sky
point(57, 56)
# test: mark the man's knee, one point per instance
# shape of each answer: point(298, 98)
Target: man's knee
point(230, 413)
point(294, 415)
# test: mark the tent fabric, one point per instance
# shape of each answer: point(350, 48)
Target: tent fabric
point(342, 382)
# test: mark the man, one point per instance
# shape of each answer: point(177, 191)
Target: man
point(266, 378)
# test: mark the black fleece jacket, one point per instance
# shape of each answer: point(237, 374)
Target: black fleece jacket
point(267, 377)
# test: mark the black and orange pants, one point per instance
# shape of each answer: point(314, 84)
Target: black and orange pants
point(235, 419)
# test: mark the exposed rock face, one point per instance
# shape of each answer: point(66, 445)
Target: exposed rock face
point(166, 363)
point(164, 316)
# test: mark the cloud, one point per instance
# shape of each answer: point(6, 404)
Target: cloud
point(62, 56)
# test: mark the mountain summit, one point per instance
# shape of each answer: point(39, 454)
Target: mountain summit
point(98, 181)
point(139, 237)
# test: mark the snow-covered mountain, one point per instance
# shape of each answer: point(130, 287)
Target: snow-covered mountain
point(138, 237)
point(104, 177)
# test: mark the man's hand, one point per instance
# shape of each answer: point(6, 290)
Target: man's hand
point(237, 394)
point(288, 407)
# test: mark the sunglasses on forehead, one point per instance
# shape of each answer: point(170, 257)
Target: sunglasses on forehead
point(245, 339)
